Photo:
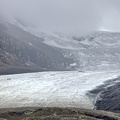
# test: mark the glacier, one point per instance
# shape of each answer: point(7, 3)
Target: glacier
point(52, 89)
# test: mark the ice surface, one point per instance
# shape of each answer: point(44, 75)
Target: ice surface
point(51, 89)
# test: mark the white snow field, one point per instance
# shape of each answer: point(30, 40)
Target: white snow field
point(51, 89)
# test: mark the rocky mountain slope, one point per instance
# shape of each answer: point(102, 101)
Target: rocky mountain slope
point(21, 51)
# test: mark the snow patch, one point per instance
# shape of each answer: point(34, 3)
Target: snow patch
point(30, 43)
point(73, 64)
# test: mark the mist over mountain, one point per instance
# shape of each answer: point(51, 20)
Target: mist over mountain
point(68, 17)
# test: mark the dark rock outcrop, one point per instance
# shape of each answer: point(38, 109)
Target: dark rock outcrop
point(109, 98)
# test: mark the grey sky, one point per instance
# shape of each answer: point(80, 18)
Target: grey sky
point(66, 16)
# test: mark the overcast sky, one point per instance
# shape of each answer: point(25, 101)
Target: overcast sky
point(66, 16)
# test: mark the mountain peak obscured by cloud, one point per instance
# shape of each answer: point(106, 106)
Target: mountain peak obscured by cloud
point(65, 16)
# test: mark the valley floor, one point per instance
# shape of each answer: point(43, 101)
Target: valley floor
point(56, 114)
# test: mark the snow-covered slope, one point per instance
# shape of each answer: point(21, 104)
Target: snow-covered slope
point(51, 89)
point(97, 51)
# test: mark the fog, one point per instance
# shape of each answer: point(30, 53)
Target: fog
point(65, 16)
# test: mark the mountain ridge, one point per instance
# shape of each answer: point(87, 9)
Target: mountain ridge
point(31, 50)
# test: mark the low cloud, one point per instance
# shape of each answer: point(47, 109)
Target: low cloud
point(65, 16)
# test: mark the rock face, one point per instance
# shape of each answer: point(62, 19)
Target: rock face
point(22, 51)
point(56, 114)
point(109, 98)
